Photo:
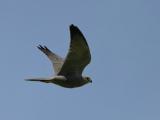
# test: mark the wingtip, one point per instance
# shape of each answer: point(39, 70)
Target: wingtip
point(45, 47)
point(72, 26)
point(74, 29)
point(42, 47)
point(39, 46)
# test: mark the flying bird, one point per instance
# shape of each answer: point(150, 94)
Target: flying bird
point(68, 71)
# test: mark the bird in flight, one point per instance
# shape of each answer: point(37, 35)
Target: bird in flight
point(68, 71)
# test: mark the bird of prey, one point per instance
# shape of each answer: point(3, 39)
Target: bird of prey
point(68, 71)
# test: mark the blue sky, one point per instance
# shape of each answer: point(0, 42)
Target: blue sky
point(124, 39)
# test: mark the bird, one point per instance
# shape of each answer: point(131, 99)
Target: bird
point(68, 71)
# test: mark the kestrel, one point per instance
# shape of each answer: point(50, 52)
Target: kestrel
point(68, 71)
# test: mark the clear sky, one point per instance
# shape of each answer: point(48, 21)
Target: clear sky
point(124, 38)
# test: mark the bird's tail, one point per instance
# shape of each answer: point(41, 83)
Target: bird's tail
point(45, 80)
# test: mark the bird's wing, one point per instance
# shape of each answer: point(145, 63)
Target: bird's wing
point(78, 55)
point(56, 60)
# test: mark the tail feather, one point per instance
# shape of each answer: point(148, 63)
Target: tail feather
point(39, 80)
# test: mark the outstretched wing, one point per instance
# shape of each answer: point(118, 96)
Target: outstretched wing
point(56, 60)
point(78, 55)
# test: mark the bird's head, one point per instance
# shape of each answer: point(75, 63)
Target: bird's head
point(87, 79)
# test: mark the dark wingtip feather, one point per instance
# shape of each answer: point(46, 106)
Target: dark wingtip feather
point(74, 30)
point(71, 25)
point(40, 47)
point(46, 48)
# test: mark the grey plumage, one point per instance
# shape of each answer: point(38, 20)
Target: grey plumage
point(56, 60)
point(68, 71)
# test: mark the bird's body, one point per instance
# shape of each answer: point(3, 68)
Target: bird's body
point(68, 71)
point(63, 81)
